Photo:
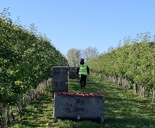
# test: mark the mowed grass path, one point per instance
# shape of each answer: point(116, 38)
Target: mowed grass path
point(122, 109)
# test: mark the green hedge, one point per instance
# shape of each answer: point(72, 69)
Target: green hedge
point(26, 59)
point(135, 61)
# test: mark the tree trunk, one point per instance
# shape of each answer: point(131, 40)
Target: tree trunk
point(142, 91)
point(136, 89)
point(153, 95)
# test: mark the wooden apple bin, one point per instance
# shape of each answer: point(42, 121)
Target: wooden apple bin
point(69, 105)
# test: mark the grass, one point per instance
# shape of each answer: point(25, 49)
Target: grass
point(122, 109)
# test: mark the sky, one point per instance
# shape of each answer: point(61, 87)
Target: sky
point(80, 24)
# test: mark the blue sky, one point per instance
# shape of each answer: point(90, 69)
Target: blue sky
point(85, 23)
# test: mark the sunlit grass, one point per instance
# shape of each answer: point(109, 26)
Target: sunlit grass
point(122, 109)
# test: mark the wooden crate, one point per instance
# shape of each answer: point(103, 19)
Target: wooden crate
point(69, 105)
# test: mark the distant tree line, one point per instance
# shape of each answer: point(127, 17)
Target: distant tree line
point(74, 55)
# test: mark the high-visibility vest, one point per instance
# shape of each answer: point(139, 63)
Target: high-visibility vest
point(83, 69)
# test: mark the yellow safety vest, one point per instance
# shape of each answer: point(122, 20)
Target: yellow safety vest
point(83, 69)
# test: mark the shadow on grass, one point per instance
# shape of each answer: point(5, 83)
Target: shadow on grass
point(138, 122)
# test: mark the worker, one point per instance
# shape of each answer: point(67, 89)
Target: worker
point(82, 71)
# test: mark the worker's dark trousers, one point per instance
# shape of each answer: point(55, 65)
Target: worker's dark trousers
point(83, 80)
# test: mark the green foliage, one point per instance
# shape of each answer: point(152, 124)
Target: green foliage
point(135, 61)
point(26, 59)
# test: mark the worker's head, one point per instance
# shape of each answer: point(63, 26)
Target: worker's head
point(82, 60)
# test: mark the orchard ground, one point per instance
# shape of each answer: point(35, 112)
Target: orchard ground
point(122, 108)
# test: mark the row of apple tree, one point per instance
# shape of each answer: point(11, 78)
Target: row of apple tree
point(26, 59)
point(133, 61)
